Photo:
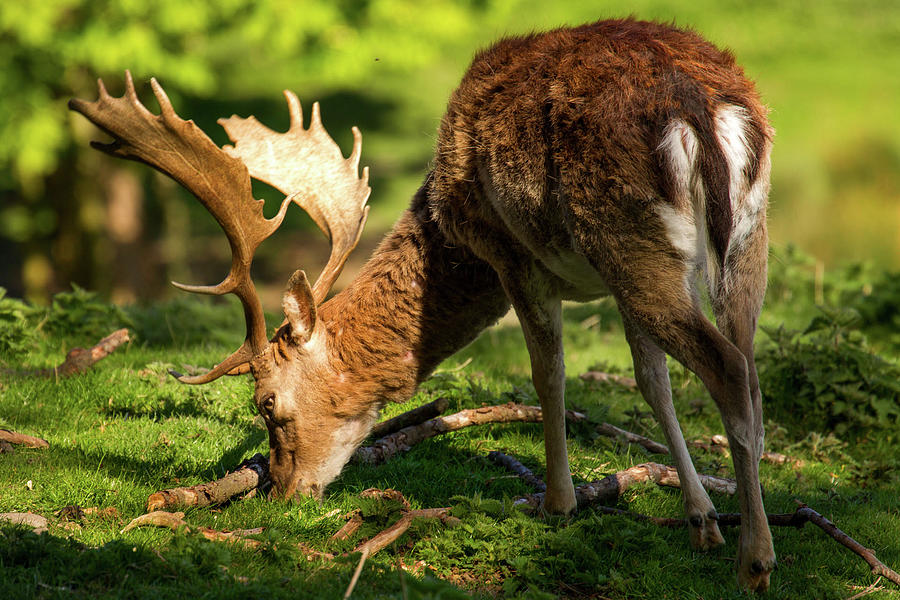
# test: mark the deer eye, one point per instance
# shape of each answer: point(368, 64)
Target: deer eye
point(267, 406)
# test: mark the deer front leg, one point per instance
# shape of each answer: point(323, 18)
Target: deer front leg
point(652, 376)
point(542, 326)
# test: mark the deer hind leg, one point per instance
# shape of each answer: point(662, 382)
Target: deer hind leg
point(652, 376)
point(675, 322)
point(737, 306)
point(541, 322)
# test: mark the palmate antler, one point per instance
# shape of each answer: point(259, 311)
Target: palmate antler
point(306, 165)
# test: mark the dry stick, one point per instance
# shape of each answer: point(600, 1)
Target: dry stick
point(628, 382)
point(79, 360)
point(356, 573)
point(388, 536)
point(410, 417)
point(25, 440)
point(872, 588)
point(385, 448)
point(607, 491)
point(349, 528)
point(248, 476)
point(512, 464)
point(718, 444)
point(175, 521)
point(157, 518)
point(632, 438)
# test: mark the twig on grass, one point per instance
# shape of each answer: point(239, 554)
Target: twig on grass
point(79, 360)
point(410, 417)
point(521, 471)
point(157, 518)
point(13, 437)
point(632, 438)
point(349, 528)
point(608, 489)
point(599, 494)
point(872, 588)
point(355, 578)
point(628, 382)
point(248, 476)
point(718, 444)
point(387, 447)
point(175, 521)
point(388, 536)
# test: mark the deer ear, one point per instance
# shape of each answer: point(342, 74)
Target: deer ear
point(299, 307)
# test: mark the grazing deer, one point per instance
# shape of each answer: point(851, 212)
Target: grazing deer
point(621, 158)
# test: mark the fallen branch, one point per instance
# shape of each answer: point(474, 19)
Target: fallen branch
point(79, 360)
point(524, 473)
point(632, 438)
point(175, 521)
point(349, 528)
point(628, 382)
point(718, 444)
point(249, 476)
point(387, 447)
point(410, 417)
point(157, 518)
point(805, 513)
point(608, 489)
point(24, 440)
point(388, 536)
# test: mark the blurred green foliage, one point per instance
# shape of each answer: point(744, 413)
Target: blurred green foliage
point(826, 377)
point(827, 69)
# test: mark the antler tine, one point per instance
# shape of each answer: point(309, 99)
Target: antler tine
point(295, 110)
point(221, 182)
point(308, 164)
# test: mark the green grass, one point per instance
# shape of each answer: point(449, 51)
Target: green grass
point(126, 429)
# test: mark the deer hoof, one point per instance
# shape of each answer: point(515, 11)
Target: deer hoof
point(560, 503)
point(704, 531)
point(754, 576)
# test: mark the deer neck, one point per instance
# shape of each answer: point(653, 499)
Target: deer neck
point(417, 301)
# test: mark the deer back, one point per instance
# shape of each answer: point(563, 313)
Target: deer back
point(574, 145)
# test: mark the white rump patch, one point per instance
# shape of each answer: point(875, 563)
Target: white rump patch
point(747, 198)
point(679, 145)
point(685, 215)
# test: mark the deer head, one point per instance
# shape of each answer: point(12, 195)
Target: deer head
point(291, 371)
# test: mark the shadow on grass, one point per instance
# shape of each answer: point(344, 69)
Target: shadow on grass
point(49, 566)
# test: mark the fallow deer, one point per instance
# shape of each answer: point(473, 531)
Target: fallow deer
point(620, 158)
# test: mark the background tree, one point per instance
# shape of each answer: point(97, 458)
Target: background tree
point(68, 214)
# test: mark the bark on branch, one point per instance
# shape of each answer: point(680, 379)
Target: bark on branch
point(387, 447)
point(12, 437)
point(247, 477)
point(606, 491)
point(79, 360)
point(410, 417)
